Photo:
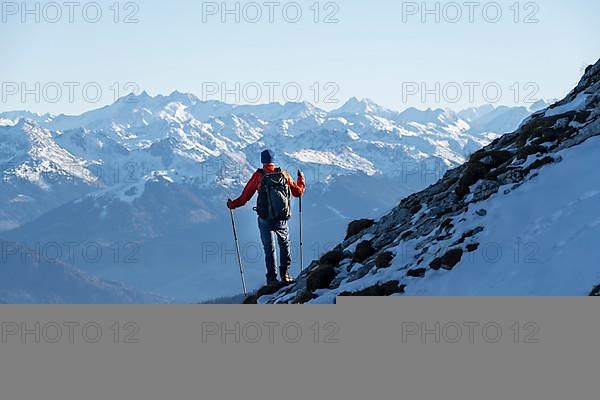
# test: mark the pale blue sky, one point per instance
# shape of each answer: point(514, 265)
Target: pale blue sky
point(370, 52)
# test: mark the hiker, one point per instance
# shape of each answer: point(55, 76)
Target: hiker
point(274, 187)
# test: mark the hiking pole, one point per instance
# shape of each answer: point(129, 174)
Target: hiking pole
point(300, 213)
point(237, 246)
point(300, 207)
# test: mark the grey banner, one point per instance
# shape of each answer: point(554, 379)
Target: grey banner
point(361, 348)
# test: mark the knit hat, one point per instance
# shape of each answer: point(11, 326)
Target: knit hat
point(267, 157)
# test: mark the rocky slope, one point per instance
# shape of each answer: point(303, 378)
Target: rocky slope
point(520, 217)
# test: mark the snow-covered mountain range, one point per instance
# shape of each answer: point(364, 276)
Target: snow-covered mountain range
point(155, 171)
point(520, 217)
point(182, 139)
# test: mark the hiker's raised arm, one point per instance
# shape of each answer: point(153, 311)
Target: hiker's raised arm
point(297, 189)
point(249, 190)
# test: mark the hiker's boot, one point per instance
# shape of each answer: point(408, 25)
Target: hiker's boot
point(286, 277)
point(272, 280)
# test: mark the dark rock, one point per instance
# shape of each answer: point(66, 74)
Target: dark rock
point(416, 208)
point(595, 292)
point(270, 289)
point(442, 186)
point(512, 175)
point(333, 257)
point(448, 260)
point(424, 228)
point(473, 172)
point(359, 273)
point(385, 239)
point(481, 213)
point(320, 277)
point(363, 251)
point(582, 116)
point(410, 201)
point(406, 234)
point(447, 224)
point(304, 297)
point(441, 211)
point(384, 260)
point(252, 299)
point(485, 190)
point(443, 201)
point(471, 247)
point(529, 150)
point(545, 129)
point(491, 158)
point(540, 163)
point(468, 234)
point(444, 237)
point(383, 289)
point(416, 273)
point(356, 227)
point(473, 232)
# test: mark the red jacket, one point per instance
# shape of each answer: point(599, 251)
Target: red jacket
point(253, 185)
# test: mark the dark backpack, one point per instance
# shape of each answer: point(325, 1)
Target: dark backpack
point(274, 197)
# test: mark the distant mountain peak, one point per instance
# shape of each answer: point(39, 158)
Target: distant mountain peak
point(361, 106)
point(540, 105)
point(22, 122)
point(429, 115)
point(186, 98)
point(302, 105)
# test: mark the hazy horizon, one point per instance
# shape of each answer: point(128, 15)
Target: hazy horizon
point(319, 106)
point(397, 54)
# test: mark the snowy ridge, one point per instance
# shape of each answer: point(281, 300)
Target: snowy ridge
point(520, 217)
point(33, 154)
